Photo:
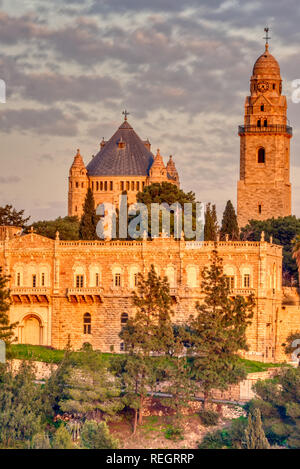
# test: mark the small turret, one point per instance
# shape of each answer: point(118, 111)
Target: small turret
point(158, 172)
point(78, 185)
point(172, 171)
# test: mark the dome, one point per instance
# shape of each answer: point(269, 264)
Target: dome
point(124, 154)
point(266, 65)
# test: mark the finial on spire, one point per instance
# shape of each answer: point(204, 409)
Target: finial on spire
point(267, 37)
point(125, 113)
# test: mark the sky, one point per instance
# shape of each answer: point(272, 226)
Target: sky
point(181, 68)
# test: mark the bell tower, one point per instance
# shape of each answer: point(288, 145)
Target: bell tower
point(264, 189)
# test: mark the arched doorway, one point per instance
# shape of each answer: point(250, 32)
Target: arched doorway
point(32, 330)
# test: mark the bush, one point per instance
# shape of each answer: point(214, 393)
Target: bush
point(96, 435)
point(231, 437)
point(173, 433)
point(209, 418)
point(62, 439)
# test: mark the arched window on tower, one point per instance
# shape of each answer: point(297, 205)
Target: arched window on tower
point(261, 155)
point(87, 323)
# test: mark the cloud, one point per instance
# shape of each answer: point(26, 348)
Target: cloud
point(49, 121)
point(9, 179)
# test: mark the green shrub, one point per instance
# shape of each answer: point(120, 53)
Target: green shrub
point(62, 439)
point(173, 433)
point(96, 435)
point(209, 418)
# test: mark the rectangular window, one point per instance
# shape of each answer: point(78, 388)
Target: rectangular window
point(128, 185)
point(111, 185)
point(43, 279)
point(259, 209)
point(138, 186)
point(97, 280)
point(230, 282)
point(246, 280)
point(122, 185)
point(87, 329)
point(117, 280)
point(18, 279)
point(34, 281)
point(79, 281)
point(262, 107)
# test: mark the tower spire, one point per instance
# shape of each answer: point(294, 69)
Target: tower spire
point(267, 37)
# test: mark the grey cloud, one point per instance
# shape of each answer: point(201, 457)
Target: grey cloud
point(50, 121)
point(9, 179)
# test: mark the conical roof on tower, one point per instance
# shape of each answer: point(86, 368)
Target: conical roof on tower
point(171, 169)
point(125, 154)
point(78, 161)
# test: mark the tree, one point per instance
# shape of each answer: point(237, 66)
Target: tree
point(68, 228)
point(166, 193)
point(62, 439)
point(229, 223)
point(211, 223)
point(150, 331)
point(90, 390)
point(21, 411)
point(11, 217)
point(254, 433)
point(89, 219)
point(218, 332)
point(283, 230)
point(95, 435)
point(6, 329)
point(278, 400)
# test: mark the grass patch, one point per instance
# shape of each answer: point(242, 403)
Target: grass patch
point(252, 366)
point(50, 355)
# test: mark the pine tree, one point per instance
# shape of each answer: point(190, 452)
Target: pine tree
point(254, 433)
point(91, 391)
point(229, 223)
point(6, 329)
point(150, 331)
point(218, 332)
point(88, 222)
point(211, 223)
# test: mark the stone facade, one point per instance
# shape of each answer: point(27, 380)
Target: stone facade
point(264, 189)
point(83, 289)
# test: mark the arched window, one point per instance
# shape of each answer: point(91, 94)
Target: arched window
point(261, 155)
point(258, 123)
point(124, 319)
point(87, 323)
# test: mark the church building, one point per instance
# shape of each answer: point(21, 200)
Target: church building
point(82, 290)
point(124, 164)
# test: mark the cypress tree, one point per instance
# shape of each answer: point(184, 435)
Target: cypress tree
point(6, 329)
point(211, 223)
point(229, 223)
point(88, 222)
point(254, 433)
